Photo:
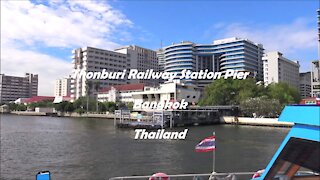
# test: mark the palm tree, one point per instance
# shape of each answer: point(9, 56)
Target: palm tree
point(97, 87)
point(88, 89)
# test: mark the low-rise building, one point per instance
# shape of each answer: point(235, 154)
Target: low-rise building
point(36, 99)
point(168, 92)
point(119, 93)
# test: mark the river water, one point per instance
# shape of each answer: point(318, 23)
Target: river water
point(81, 148)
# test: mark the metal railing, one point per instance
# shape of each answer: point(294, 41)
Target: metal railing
point(211, 176)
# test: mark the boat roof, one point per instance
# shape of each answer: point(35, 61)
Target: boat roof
point(306, 121)
point(301, 114)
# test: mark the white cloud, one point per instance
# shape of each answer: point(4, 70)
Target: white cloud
point(27, 26)
point(74, 23)
point(292, 38)
point(288, 38)
point(17, 62)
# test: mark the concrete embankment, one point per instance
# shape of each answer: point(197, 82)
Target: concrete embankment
point(223, 119)
point(89, 115)
point(254, 121)
point(29, 113)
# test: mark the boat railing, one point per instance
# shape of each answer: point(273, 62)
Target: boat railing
point(211, 176)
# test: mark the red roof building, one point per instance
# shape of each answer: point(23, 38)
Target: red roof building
point(36, 99)
point(125, 87)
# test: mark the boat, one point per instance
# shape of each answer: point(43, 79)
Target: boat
point(298, 156)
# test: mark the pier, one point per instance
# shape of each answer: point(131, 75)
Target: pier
point(174, 118)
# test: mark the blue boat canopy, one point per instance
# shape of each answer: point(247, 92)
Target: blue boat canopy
point(300, 150)
point(302, 114)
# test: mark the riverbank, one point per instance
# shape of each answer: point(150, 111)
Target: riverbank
point(254, 121)
point(28, 113)
point(223, 120)
point(58, 114)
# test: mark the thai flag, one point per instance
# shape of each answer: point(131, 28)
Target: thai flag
point(206, 145)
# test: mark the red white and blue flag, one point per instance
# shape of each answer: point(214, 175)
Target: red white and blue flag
point(206, 145)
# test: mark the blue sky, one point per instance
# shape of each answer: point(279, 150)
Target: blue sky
point(174, 21)
point(46, 33)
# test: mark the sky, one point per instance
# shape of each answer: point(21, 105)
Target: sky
point(38, 36)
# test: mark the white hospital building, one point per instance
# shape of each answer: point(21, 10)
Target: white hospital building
point(280, 69)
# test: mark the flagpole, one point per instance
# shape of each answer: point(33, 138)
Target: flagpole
point(214, 156)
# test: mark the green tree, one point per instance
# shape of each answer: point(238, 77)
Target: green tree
point(12, 106)
point(80, 111)
point(61, 106)
point(69, 107)
point(284, 93)
point(44, 103)
point(96, 88)
point(110, 106)
point(130, 106)
point(261, 106)
point(102, 107)
point(229, 91)
point(87, 103)
point(121, 105)
point(21, 107)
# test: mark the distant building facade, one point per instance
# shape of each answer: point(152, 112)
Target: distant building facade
point(280, 69)
point(305, 84)
point(315, 79)
point(315, 67)
point(141, 59)
point(62, 87)
point(161, 62)
point(90, 59)
point(220, 56)
point(15, 87)
point(93, 59)
point(161, 59)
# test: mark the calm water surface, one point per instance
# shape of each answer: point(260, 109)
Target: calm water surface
point(80, 148)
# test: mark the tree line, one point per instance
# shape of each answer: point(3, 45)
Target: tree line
point(267, 101)
point(81, 105)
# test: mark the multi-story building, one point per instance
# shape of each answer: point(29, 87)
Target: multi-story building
point(62, 87)
point(141, 59)
point(91, 59)
point(315, 71)
point(305, 84)
point(220, 56)
point(280, 69)
point(315, 79)
point(161, 62)
point(14, 87)
point(161, 59)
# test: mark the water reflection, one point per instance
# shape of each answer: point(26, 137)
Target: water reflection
point(79, 148)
